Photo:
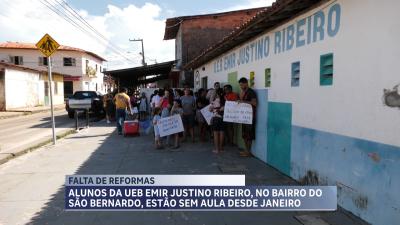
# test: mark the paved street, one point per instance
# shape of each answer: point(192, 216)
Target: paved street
point(20, 133)
point(31, 187)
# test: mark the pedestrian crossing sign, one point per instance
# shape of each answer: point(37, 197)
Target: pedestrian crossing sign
point(47, 45)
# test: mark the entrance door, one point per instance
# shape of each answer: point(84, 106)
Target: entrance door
point(68, 89)
point(279, 131)
point(204, 83)
point(2, 91)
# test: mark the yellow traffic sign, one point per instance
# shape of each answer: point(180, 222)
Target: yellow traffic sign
point(47, 45)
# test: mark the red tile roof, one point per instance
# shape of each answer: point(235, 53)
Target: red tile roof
point(10, 65)
point(19, 45)
point(19, 67)
point(267, 19)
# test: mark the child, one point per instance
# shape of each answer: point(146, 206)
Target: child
point(156, 118)
point(217, 123)
point(177, 110)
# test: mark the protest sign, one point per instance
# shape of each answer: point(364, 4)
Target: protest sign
point(238, 112)
point(207, 114)
point(170, 125)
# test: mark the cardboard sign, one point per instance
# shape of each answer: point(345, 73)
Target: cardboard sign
point(238, 112)
point(170, 125)
point(207, 114)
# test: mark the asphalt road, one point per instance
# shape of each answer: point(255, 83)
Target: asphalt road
point(32, 191)
point(20, 133)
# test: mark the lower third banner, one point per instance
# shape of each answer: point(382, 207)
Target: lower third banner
point(207, 198)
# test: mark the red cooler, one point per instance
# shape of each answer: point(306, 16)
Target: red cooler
point(131, 128)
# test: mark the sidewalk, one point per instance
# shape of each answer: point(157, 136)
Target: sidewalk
point(27, 111)
point(32, 192)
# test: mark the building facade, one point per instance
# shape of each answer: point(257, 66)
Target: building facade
point(80, 69)
point(22, 87)
point(328, 106)
point(193, 34)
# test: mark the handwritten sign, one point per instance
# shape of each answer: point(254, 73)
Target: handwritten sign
point(170, 125)
point(207, 114)
point(238, 112)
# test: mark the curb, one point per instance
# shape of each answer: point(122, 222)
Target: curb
point(36, 146)
point(26, 113)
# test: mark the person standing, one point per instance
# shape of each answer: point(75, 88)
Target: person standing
point(152, 106)
point(155, 100)
point(188, 105)
point(201, 102)
point(143, 107)
point(177, 110)
point(122, 104)
point(108, 105)
point(211, 94)
point(217, 123)
point(178, 94)
point(156, 118)
point(229, 127)
point(165, 104)
point(248, 95)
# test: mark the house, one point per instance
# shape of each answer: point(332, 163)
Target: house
point(326, 77)
point(23, 87)
point(193, 34)
point(78, 69)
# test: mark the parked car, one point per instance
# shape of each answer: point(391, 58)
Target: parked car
point(97, 102)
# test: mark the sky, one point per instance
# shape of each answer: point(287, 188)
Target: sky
point(112, 24)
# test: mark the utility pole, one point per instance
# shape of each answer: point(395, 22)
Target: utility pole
point(47, 45)
point(49, 64)
point(141, 40)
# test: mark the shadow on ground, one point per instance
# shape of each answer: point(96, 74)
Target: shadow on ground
point(119, 155)
point(63, 121)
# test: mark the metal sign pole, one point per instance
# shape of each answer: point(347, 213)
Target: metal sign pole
point(51, 100)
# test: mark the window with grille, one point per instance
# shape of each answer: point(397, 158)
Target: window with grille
point(295, 74)
point(69, 62)
point(268, 77)
point(326, 70)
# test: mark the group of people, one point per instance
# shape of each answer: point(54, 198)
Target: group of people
point(113, 101)
point(188, 104)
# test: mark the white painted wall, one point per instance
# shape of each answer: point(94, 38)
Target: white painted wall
point(366, 53)
point(98, 79)
point(31, 60)
point(22, 88)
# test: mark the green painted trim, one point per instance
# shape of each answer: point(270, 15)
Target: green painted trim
point(233, 80)
point(279, 132)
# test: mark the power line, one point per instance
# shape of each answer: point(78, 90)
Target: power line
point(70, 20)
point(75, 14)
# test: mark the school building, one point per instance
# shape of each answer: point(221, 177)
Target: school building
point(328, 108)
